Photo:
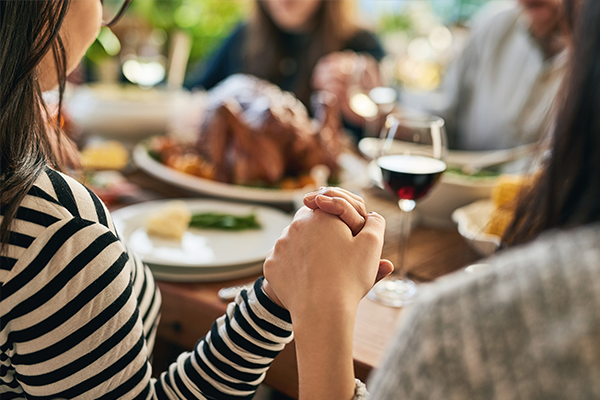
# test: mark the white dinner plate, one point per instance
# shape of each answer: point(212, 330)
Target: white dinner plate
point(353, 174)
point(201, 248)
point(200, 275)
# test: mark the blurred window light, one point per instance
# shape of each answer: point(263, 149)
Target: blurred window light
point(109, 41)
point(419, 49)
point(187, 16)
point(440, 38)
point(362, 105)
point(145, 74)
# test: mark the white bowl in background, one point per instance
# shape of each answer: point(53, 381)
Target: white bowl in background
point(472, 220)
point(452, 192)
point(125, 113)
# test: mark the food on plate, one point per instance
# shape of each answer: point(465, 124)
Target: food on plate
point(504, 199)
point(482, 173)
point(110, 185)
point(254, 134)
point(170, 221)
point(216, 220)
point(104, 155)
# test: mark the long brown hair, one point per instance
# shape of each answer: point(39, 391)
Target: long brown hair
point(334, 25)
point(30, 136)
point(567, 192)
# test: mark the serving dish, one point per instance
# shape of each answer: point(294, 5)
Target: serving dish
point(125, 113)
point(353, 174)
point(472, 220)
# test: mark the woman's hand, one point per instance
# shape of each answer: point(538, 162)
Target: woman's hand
point(349, 207)
point(317, 262)
point(320, 271)
point(337, 72)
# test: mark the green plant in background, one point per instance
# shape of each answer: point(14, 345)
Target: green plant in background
point(207, 21)
point(106, 45)
point(396, 23)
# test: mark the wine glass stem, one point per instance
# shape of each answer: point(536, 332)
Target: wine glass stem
point(370, 126)
point(406, 207)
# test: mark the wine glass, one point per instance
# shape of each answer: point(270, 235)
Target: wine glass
point(410, 159)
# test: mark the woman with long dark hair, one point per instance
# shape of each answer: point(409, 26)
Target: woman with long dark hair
point(567, 192)
point(301, 46)
point(78, 312)
point(525, 328)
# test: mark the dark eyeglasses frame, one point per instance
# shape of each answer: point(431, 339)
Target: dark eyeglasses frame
point(117, 17)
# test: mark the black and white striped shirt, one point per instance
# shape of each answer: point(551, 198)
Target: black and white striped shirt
point(78, 313)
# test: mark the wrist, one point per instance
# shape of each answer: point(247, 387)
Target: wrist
point(338, 306)
point(324, 348)
point(268, 290)
point(323, 321)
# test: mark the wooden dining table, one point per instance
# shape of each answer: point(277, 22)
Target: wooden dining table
point(190, 308)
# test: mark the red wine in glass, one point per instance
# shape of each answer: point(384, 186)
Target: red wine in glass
point(410, 164)
point(409, 177)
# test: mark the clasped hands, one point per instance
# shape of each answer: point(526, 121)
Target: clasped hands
point(329, 256)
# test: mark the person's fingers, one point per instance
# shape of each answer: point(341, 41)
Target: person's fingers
point(371, 235)
point(386, 267)
point(343, 209)
point(356, 197)
point(357, 202)
point(302, 211)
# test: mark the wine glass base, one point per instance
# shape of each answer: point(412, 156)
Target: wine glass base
point(394, 292)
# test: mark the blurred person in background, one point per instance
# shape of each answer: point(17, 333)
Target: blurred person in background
point(301, 46)
point(499, 92)
point(527, 327)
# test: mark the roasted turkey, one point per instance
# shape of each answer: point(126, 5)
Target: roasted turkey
point(255, 134)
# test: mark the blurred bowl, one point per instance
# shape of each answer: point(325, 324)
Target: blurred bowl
point(472, 221)
point(453, 191)
point(121, 112)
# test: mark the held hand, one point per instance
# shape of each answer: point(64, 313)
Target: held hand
point(339, 72)
point(317, 266)
point(333, 73)
point(349, 207)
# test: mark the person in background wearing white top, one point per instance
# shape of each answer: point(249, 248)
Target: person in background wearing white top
point(499, 92)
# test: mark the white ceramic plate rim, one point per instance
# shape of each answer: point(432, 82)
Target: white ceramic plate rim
point(132, 219)
point(207, 277)
point(353, 170)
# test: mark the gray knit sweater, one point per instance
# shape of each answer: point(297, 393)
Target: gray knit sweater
point(529, 328)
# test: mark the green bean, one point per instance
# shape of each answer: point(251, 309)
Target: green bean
point(215, 220)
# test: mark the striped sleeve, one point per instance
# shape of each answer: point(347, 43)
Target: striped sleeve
point(77, 331)
point(78, 313)
point(70, 324)
point(232, 360)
